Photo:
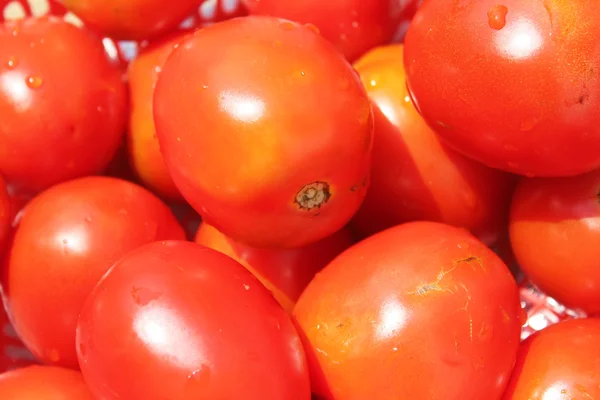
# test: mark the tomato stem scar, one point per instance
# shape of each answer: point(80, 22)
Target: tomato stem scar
point(313, 195)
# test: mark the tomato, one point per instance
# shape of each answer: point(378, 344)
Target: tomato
point(514, 84)
point(132, 19)
point(262, 160)
point(5, 213)
point(561, 362)
point(13, 353)
point(416, 177)
point(555, 232)
point(197, 326)
point(67, 238)
point(43, 383)
point(422, 310)
point(62, 103)
point(144, 151)
point(284, 272)
point(353, 26)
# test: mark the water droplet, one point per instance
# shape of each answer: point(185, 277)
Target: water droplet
point(497, 17)
point(287, 25)
point(373, 82)
point(12, 62)
point(247, 287)
point(313, 28)
point(303, 73)
point(34, 82)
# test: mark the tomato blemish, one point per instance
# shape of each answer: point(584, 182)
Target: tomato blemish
point(497, 17)
point(470, 260)
point(313, 195)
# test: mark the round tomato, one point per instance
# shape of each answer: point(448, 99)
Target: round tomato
point(132, 19)
point(43, 383)
point(515, 84)
point(62, 103)
point(185, 322)
point(270, 141)
point(144, 151)
point(560, 362)
point(5, 213)
point(555, 235)
point(353, 26)
point(421, 310)
point(67, 238)
point(414, 176)
point(284, 272)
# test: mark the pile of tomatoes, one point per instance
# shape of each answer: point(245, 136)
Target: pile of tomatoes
point(295, 200)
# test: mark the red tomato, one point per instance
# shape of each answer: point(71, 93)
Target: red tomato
point(353, 26)
point(13, 353)
point(197, 326)
point(514, 84)
point(5, 213)
point(284, 272)
point(263, 160)
point(67, 238)
point(62, 103)
point(414, 176)
point(43, 383)
point(561, 362)
point(422, 310)
point(144, 151)
point(132, 19)
point(555, 235)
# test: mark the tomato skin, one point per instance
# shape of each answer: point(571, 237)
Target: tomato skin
point(143, 148)
point(284, 272)
point(60, 120)
point(414, 176)
point(560, 362)
point(555, 231)
point(132, 19)
point(259, 165)
point(67, 238)
point(522, 94)
point(5, 213)
point(353, 26)
point(222, 334)
point(43, 383)
point(418, 303)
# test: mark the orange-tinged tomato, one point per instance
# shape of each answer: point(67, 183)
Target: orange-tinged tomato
point(284, 272)
point(560, 362)
point(269, 140)
point(5, 213)
point(43, 383)
point(144, 151)
point(555, 235)
point(416, 177)
point(419, 311)
point(132, 19)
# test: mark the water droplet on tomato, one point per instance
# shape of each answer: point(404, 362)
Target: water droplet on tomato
point(287, 25)
point(12, 62)
point(34, 82)
point(497, 17)
point(313, 28)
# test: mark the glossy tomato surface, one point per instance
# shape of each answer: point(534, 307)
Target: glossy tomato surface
point(416, 177)
point(555, 235)
point(143, 148)
point(185, 322)
point(67, 238)
point(285, 272)
point(43, 383)
point(5, 213)
point(132, 19)
point(353, 26)
point(62, 103)
point(422, 310)
point(270, 141)
point(514, 84)
point(561, 362)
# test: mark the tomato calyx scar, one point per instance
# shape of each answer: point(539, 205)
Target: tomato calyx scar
point(313, 195)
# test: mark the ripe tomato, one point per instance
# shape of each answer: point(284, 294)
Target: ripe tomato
point(559, 362)
point(43, 383)
point(144, 151)
point(5, 213)
point(62, 103)
point(514, 84)
point(132, 19)
point(263, 160)
point(555, 235)
point(414, 176)
point(421, 310)
point(67, 238)
point(284, 272)
point(13, 353)
point(353, 26)
point(198, 326)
